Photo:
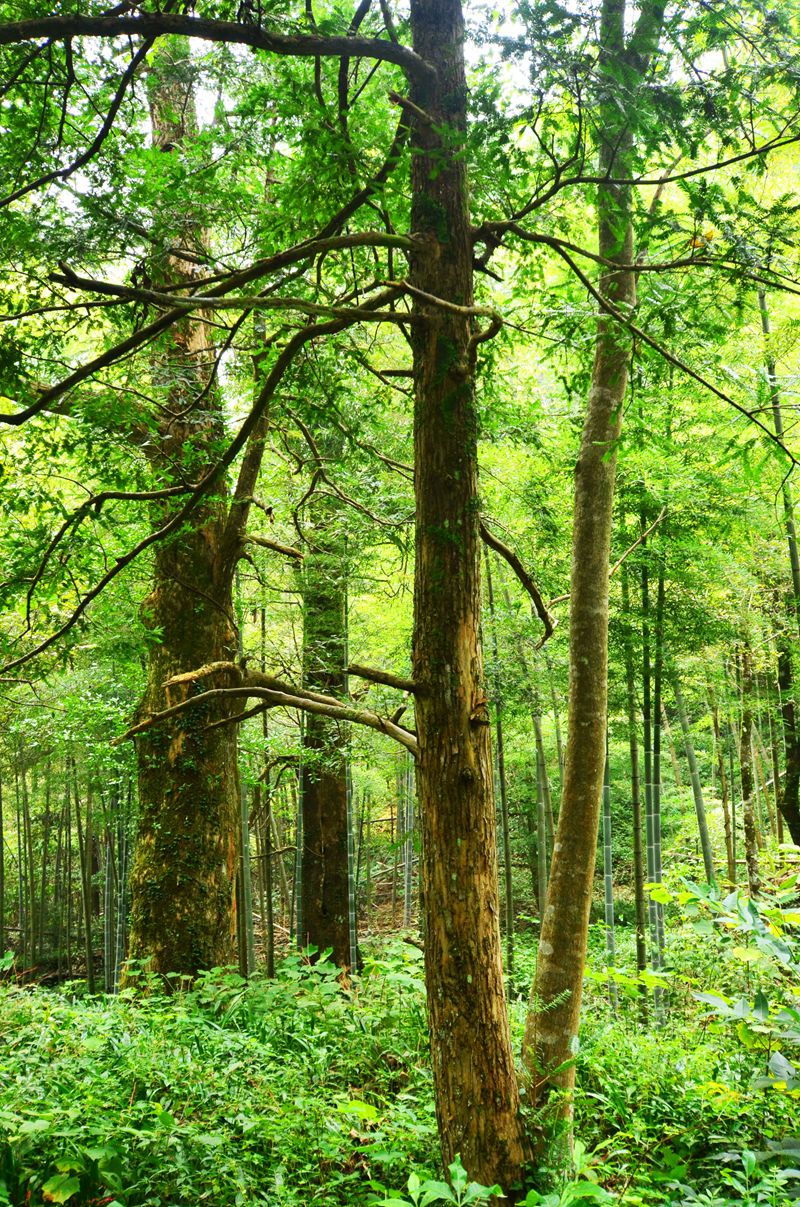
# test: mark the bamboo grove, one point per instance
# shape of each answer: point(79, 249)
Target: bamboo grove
point(397, 490)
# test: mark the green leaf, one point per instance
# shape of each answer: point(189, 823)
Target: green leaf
point(436, 1192)
point(60, 1188)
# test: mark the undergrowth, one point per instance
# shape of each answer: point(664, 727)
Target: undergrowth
point(312, 1090)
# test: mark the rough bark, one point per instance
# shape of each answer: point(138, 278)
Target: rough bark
point(472, 1058)
point(324, 880)
point(182, 887)
point(551, 1034)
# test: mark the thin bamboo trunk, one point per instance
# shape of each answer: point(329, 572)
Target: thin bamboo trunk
point(501, 771)
point(636, 800)
point(746, 769)
point(697, 790)
point(730, 857)
point(84, 852)
point(608, 884)
point(673, 754)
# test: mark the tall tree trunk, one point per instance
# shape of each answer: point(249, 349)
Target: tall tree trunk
point(325, 880)
point(658, 676)
point(636, 797)
point(673, 754)
point(730, 856)
point(477, 1098)
point(182, 885)
point(790, 797)
point(552, 1027)
point(748, 785)
point(501, 770)
point(608, 882)
point(697, 790)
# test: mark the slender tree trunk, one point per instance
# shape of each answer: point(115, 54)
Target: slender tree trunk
point(730, 857)
point(673, 754)
point(84, 851)
point(658, 675)
point(776, 769)
point(746, 768)
point(636, 799)
point(476, 1092)
point(551, 679)
point(697, 790)
point(541, 835)
point(608, 882)
point(790, 799)
point(552, 1027)
point(501, 771)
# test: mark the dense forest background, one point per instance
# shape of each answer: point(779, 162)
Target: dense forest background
point(397, 492)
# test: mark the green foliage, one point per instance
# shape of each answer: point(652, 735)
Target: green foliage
point(247, 1093)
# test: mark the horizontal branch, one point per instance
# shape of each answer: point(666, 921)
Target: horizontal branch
point(275, 694)
point(385, 677)
point(213, 301)
point(524, 577)
point(287, 550)
point(154, 25)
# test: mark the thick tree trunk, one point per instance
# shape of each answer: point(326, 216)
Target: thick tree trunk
point(324, 880)
point(182, 885)
point(473, 1064)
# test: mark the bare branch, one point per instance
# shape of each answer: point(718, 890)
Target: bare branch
point(154, 25)
point(557, 599)
point(385, 677)
point(275, 694)
point(524, 577)
point(277, 547)
point(669, 357)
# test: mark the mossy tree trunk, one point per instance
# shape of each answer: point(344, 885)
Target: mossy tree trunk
point(324, 879)
point(182, 888)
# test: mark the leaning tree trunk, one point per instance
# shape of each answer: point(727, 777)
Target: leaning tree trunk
point(552, 1028)
point(475, 1083)
point(182, 885)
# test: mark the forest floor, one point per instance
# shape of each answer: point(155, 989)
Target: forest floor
point(306, 1089)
